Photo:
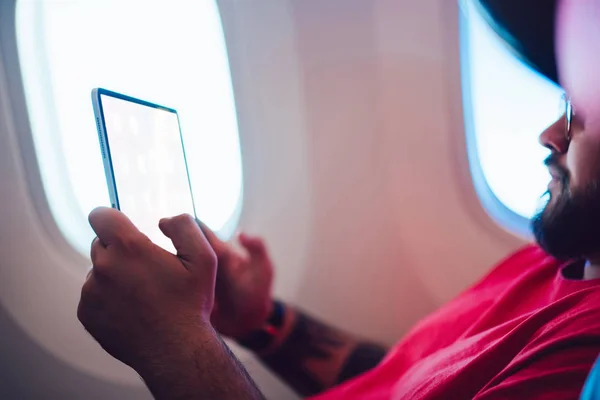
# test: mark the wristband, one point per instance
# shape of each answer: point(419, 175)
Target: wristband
point(262, 338)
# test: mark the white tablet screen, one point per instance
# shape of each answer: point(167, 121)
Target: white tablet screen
point(149, 164)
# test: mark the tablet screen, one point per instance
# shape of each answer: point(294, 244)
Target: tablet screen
point(149, 166)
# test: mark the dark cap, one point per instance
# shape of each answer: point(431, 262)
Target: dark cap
point(528, 27)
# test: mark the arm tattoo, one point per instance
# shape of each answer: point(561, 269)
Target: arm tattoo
point(309, 339)
point(364, 357)
point(312, 340)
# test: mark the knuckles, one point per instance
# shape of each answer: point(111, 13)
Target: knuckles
point(126, 246)
point(133, 244)
point(102, 265)
point(208, 258)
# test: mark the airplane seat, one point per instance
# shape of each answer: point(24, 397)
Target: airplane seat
point(591, 389)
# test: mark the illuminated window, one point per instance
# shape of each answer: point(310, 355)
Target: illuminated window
point(169, 52)
point(507, 106)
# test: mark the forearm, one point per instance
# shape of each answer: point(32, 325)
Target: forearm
point(312, 357)
point(201, 367)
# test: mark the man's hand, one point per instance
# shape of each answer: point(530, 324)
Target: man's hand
point(139, 299)
point(151, 309)
point(243, 291)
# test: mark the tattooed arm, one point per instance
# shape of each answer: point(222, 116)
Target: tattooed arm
point(309, 355)
point(312, 357)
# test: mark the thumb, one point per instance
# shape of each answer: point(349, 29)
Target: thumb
point(111, 225)
point(253, 244)
point(192, 247)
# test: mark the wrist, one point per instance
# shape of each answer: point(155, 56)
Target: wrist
point(198, 366)
point(272, 333)
point(257, 322)
point(174, 349)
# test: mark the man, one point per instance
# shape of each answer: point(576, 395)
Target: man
point(530, 329)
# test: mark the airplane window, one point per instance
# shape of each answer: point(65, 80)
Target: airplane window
point(507, 106)
point(168, 52)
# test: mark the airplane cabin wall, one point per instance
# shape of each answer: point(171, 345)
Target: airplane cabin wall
point(379, 185)
point(355, 172)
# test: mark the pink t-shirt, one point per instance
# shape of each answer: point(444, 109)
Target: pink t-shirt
point(525, 331)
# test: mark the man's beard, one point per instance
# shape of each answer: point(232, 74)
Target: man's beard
point(569, 225)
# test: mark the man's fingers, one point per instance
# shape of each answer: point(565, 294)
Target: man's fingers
point(217, 244)
point(89, 274)
point(192, 246)
point(253, 244)
point(94, 248)
point(102, 261)
point(111, 225)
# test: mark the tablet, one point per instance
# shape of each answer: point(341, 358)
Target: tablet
point(144, 161)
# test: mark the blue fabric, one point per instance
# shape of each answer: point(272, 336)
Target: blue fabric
point(591, 389)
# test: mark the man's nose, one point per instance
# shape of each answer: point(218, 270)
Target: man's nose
point(555, 137)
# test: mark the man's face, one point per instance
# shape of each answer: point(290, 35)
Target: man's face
point(569, 225)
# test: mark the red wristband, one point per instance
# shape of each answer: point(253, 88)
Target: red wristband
point(263, 338)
